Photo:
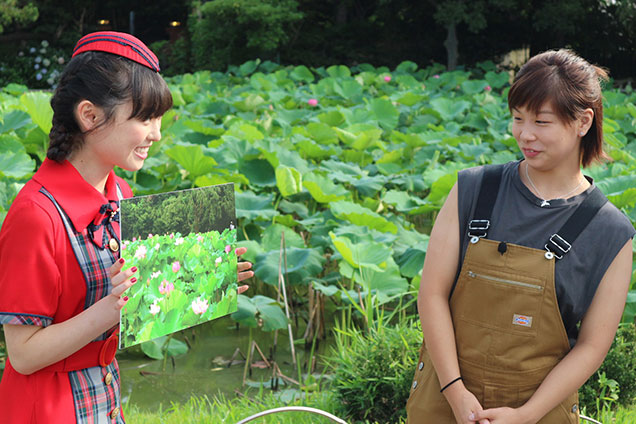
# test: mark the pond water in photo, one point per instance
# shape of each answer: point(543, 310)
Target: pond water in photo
point(203, 371)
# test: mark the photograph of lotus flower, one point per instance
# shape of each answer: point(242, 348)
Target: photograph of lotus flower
point(183, 245)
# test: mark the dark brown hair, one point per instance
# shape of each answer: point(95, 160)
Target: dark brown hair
point(107, 81)
point(571, 85)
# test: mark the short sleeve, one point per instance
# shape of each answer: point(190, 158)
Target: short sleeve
point(30, 278)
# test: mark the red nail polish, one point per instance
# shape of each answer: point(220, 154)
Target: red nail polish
point(125, 298)
point(133, 280)
point(133, 269)
point(122, 260)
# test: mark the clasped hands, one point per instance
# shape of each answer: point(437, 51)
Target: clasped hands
point(468, 410)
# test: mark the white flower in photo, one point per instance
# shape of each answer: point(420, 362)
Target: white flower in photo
point(199, 306)
point(155, 275)
point(218, 261)
point(154, 308)
point(141, 252)
point(178, 241)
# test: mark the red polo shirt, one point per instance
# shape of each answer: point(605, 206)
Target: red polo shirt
point(41, 282)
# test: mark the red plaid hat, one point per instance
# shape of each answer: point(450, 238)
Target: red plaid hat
point(118, 43)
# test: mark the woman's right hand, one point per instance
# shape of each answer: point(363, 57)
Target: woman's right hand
point(121, 281)
point(463, 403)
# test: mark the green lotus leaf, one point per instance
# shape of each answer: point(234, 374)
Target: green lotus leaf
point(385, 113)
point(497, 79)
point(360, 215)
point(272, 238)
point(338, 71)
point(14, 120)
point(254, 207)
point(259, 172)
point(302, 73)
point(449, 109)
point(362, 255)
point(14, 162)
point(322, 189)
point(37, 105)
point(192, 159)
point(288, 180)
point(301, 263)
point(474, 86)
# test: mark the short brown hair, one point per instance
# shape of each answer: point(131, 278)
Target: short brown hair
point(571, 85)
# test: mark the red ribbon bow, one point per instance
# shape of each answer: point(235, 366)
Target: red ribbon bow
point(103, 220)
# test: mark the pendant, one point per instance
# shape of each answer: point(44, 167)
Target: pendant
point(545, 203)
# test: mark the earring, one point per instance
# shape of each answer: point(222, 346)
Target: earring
point(582, 133)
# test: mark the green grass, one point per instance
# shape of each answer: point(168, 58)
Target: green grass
point(220, 410)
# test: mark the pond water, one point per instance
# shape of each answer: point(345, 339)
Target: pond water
point(146, 384)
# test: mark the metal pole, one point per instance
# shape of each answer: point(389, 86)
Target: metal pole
point(131, 22)
point(584, 418)
point(293, 408)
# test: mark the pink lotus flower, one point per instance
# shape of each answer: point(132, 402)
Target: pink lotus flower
point(166, 287)
point(228, 248)
point(149, 235)
point(171, 235)
point(134, 239)
point(387, 78)
point(199, 306)
point(154, 308)
point(218, 261)
point(123, 246)
point(141, 252)
point(176, 266)
point(436, 76)
point(199, 238)
point(488, 88)
point(312, 102)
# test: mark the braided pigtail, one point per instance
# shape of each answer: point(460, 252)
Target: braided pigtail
point(62, 142)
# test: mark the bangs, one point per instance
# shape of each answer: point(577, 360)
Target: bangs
point(151, 97)
point(534, 88)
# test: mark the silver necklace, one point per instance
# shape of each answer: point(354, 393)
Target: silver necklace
point(544, 202)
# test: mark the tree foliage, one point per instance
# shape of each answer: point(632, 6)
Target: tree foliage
point(185, 212)
point(227, 31)
point(15, 11)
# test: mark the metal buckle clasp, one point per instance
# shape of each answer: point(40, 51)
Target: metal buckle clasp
point(558, 243)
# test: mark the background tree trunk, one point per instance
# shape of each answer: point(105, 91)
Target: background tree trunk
point(451, 47)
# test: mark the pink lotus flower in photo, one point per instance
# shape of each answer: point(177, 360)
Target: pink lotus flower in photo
point(166, 287)
point(312, 102)
point(218, 261)
point(387, 78)
point(436, 76)
point(199, 306)
point(134, 239)
point(123, 246)
point(154, 308)
point(488, 88)
point(228, 248)
point(141, 252)
point(171, 235)
point(176, 266)
point(150, 235)
point(199, 238)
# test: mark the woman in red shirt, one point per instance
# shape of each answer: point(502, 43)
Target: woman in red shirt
point(63, 284)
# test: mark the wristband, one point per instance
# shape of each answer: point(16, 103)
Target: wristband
point(454, 381)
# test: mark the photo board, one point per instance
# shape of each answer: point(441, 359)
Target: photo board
point(183, 245)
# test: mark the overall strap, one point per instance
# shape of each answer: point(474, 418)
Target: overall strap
point(479, 225)
point(93, 262)
point(560, 243)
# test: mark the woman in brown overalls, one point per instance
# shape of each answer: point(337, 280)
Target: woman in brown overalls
point(535, 261)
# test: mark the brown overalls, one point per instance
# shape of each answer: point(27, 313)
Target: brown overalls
point(508, 328)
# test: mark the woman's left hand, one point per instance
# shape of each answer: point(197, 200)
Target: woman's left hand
point(500, 416)
point(244, 269)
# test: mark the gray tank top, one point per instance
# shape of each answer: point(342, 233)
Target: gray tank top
point(518, 218)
